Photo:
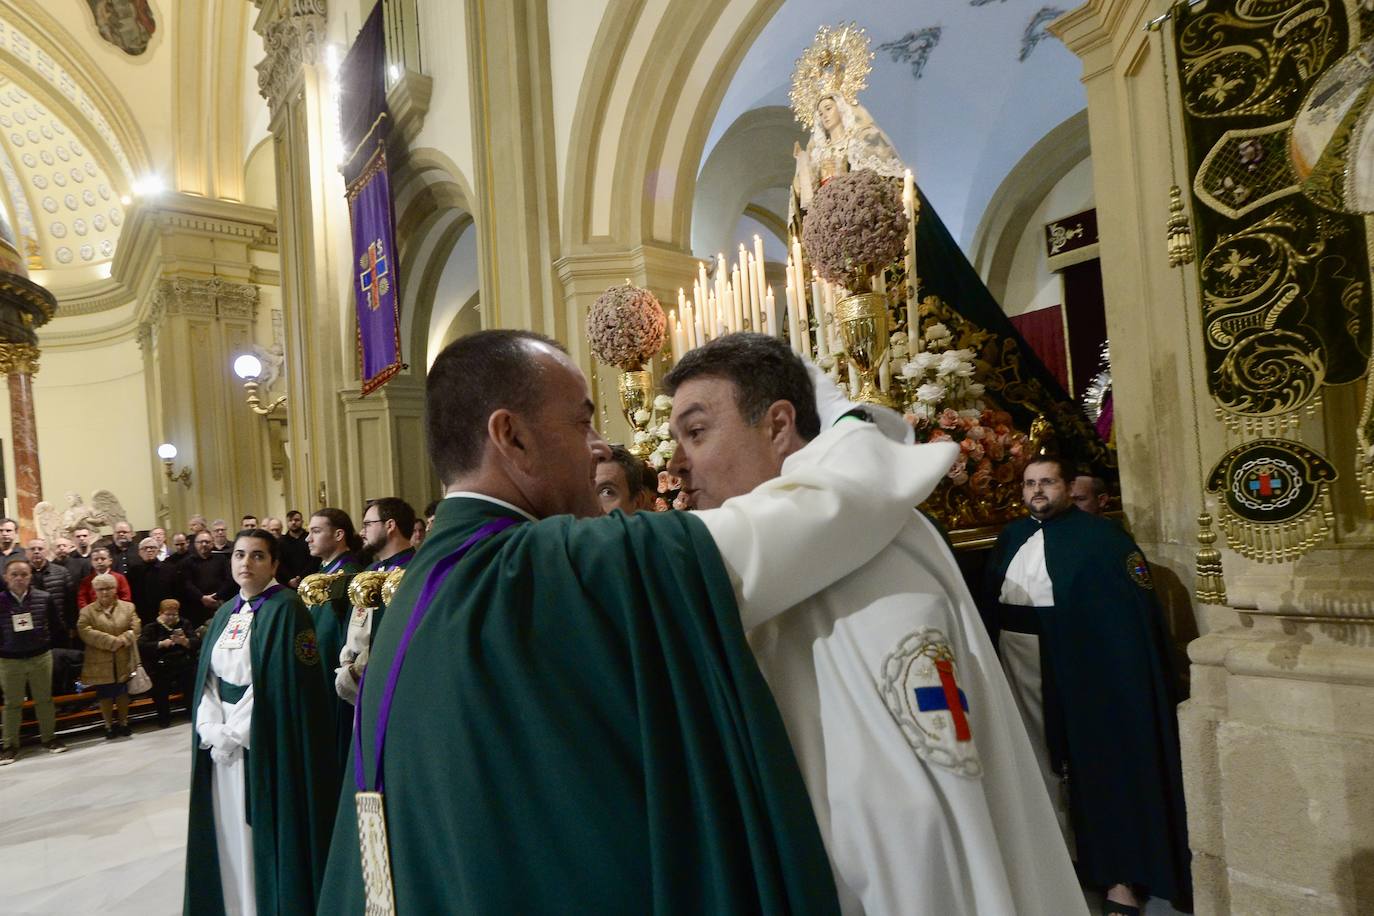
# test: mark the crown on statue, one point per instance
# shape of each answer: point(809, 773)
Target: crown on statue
point(837, 63)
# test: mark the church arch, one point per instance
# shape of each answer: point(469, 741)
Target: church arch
point(1007, 217)
point(433, 212)
point(752, 156)
point(631, 180)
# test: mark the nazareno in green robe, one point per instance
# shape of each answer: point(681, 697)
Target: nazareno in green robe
point(580, 726)
point(1111, 699)
point(331, 628)
point(293, 783)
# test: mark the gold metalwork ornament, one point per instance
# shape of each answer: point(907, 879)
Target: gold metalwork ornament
point(862, 321)
point(393, 582)
point(636, 395)
point(1180, 233)
point(1211, 580)
point(836, 64)
point(315, 588)
point(365, 591)
point(19, 358)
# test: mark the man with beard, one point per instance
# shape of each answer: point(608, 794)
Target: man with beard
point(586, 675)
point(123, 551)
point(386, 526)
point(206, 579)
point(296, 559)
point(1071, 605)
point(918, 768)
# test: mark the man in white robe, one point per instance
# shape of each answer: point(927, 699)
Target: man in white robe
point(919, 770)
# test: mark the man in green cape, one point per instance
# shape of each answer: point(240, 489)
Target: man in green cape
point(578, 724)
point(333, 540)
point(290, 776)
point(1071, 606)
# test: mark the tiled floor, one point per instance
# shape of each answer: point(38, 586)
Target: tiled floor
point(101, 829)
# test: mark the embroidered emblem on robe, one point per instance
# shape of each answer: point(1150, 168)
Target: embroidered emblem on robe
point(921, 689)
point(1139, 570)
point(307, 648)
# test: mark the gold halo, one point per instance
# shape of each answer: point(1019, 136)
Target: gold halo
point(837, 63)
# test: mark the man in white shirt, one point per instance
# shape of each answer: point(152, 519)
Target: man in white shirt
point(919, 770)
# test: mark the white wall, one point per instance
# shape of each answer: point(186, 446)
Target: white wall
point(1031, 285)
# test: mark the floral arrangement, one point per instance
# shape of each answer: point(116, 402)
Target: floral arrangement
point(655, 433)
point(670, 493)
point(941, 378)
point(626, 327)
point(856, 226)
point(948, 405)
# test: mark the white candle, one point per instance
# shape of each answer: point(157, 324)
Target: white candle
point(676, 326)
point(771, 315)
point(721, 279)
point(681, 299)
point(797, 259)
point(760, 287)
point(701, 277)
point(885, 372)
point(853, 380)
point(793, 314)
point(698, 331)
point(738, 300)
point(751, 283)
point(912, 313)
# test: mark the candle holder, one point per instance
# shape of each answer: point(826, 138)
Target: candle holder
point(863, 324)
point(636, 400)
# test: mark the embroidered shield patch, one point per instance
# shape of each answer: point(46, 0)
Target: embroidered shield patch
point(1139, 570)
point(921, 690)
point(307, 648)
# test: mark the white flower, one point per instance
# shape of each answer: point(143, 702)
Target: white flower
point(642, 436)
point(897, 349)
point(827, 362)
point(930, 393)
point(663, 403)
point(937, 331)
point(951, 364)
point(975, 389)
point(662, 431)
point(970, 414)
point(666, 448)
point(921, 362)
point(923, 411)
point(643, 416)
point(657, 461)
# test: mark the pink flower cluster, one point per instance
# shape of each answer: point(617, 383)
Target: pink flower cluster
point(855, 227)
point(989, 448)
point(626, 326)
point(670, 494)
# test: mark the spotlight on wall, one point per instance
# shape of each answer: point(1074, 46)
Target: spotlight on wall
point(149, 185)
point(168, 453)
point(249, 368)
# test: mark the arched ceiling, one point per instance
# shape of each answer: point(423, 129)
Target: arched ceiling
point(964, 88)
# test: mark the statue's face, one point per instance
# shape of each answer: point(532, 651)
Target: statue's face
point(829, 114)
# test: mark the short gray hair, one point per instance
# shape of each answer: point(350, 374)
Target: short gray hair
point(104, 579)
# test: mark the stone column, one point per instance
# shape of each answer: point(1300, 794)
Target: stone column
point(20, 362)
point(313, 223)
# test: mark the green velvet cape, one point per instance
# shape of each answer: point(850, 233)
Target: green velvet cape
point(331, 628)
point(580, 726)
point(292, 777)
point(1114, 720)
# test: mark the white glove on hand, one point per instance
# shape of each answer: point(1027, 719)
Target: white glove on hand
point(345, 686)
point(831, 404)
point(222, 756)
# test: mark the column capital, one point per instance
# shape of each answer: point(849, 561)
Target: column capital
point(293, 34)
point(208, 297)
point(18, 357)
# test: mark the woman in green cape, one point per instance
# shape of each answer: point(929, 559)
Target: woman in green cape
point(263, 783)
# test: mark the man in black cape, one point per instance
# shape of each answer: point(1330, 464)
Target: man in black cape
point(1071, 605)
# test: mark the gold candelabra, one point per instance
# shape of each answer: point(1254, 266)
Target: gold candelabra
point(315, 588)
point(365, 590)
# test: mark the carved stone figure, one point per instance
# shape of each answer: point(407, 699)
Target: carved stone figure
point(100, 515)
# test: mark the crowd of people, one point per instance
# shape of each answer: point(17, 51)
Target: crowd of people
point(786, 699)
point(83, 613)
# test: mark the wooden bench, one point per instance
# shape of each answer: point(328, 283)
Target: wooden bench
point(79, 710)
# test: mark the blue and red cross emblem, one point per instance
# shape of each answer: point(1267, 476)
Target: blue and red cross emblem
point(1264, 481)
point(947, 696)
point(373, 279)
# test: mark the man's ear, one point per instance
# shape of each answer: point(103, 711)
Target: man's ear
point(509, 436)
point(780, 420)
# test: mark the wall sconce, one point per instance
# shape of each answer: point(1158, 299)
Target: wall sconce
point(249, 368)
point(168, 453)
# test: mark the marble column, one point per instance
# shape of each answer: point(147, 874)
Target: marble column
point(20, 362)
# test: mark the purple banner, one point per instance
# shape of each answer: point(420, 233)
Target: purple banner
point(375, 281)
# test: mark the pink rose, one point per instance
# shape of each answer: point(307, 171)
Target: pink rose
point(681, 502)
point(972, 448)
point(949, 418)
point(981, 479)
point(995, 448)
point(958, 475)
point(938, 435)
point(1017, 450)
point(660, 505)
point(977, 432)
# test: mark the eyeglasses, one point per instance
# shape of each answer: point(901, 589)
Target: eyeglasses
point(371, 521)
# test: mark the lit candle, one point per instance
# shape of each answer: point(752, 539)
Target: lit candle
point(818, 306)
point(797, 258)
point(885, 372)
point(701, 278)
point(681, 299)
point(755, 296)
point(771, 315)
point(698, 331)
point(737, 298)
point(793, 313)
point(679, 341)
point(721, 279)
point(676, 327)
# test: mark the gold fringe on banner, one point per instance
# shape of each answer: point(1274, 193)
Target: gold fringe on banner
point(1211, 580)
point(1179, 232)
point(1284, 543)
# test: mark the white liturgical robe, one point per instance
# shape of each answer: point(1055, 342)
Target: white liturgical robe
point(923, 781)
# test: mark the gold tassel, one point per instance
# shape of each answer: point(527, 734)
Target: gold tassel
point(1211, 583)
point(1180, 233)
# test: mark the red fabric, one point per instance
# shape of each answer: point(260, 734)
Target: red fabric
point(1043, 330)
point(956, 708)
point(86, 595)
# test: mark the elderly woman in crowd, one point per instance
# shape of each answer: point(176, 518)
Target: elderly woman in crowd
point(109, 627)
point(264, 775)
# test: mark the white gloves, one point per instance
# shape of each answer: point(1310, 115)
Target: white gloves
point(345, 686)
point(224, 743)
point(831, 404)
